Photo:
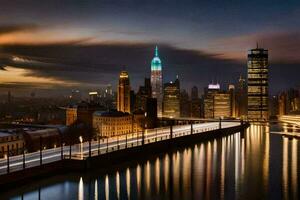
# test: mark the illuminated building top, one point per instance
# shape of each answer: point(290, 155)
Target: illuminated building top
point(124, 74)
point(214, 86)
point(156, 62)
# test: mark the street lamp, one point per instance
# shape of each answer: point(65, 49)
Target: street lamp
point(81, 147)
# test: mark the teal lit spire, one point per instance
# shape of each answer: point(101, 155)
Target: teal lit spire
point(156, 62)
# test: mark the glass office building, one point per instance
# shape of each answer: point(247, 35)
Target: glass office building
point(258, 84)
point(171, 99)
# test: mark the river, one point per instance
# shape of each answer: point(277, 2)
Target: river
point(260, 164)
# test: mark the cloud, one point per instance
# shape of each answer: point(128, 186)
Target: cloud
point(99, 64)
point(284, 46)
point(13, 28)
point(94, 65)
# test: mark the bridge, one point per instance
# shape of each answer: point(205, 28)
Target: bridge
point(89, 149)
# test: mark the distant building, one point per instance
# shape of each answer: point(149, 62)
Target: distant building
point(221, 105)
point(292, 100)
point(71, 115)
point(233, 101)
point(114, 123)
point(209, 93)
point(157, 81)
point(217, 103)
point(282, 104)
point(82, 113)
point(185, 104)
point(241, 98)
point(75, 96)
point(94, 98)
point(132, 101)
point(274, 106)
point(195, 103)
point(123, 99)
point(171, 100)
point(47, 138)
point(12, 142)
point(143, 93)
point(194, 93)
point(258, 84)
point(151, 113)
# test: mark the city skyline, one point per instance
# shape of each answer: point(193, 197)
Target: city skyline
point(84, 46)
point(149, 99)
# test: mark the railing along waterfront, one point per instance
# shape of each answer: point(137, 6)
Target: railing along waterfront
point(87, 149)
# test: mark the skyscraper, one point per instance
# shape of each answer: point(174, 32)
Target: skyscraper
point(216, 102)
point(232, 92)
point(143, 93)
point(185, 104)
point(258, 84)
point(171, 103)
point(282, 104)
point(241, 97)
point(209, 93)
point(157, 81)
point(222, 106)
point(195, 103)
point(123, 101)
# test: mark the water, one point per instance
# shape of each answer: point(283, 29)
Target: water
point(260, 165)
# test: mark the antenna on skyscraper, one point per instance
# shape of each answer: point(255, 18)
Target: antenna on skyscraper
point(156, 51)
point(256, 45)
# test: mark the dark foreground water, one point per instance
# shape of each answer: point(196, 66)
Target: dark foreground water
point(260, 165)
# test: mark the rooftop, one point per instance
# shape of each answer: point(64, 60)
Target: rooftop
point(111, 113)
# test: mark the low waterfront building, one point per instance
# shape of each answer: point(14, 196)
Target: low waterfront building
point(82, 113)
point(10, 142)
point(71, 115)
point(113, 123)
point(44, 138)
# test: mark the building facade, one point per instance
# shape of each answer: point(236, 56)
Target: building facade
point(282, 104)
point(232, 92)
point(258, 94)
point(143, 94)
point(171, 100)
point(11, 143)
point(185, 104)
point(114, 123)
point(222, 105)
point(209, 93)
point(123, 98)
point(195, 103)
point(71, 115)
point(151, 112)
point(217, 103)
point(241, 98)
point(157, 81)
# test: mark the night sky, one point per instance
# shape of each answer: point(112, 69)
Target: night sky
point(51, 47)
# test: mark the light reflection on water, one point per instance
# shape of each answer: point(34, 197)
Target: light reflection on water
point(254, 165)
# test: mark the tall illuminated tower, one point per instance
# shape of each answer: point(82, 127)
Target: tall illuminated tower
point(258, 84)
point(124, 93)
point(157, 81)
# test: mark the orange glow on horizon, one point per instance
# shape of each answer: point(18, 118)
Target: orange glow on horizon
point(13, 75)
